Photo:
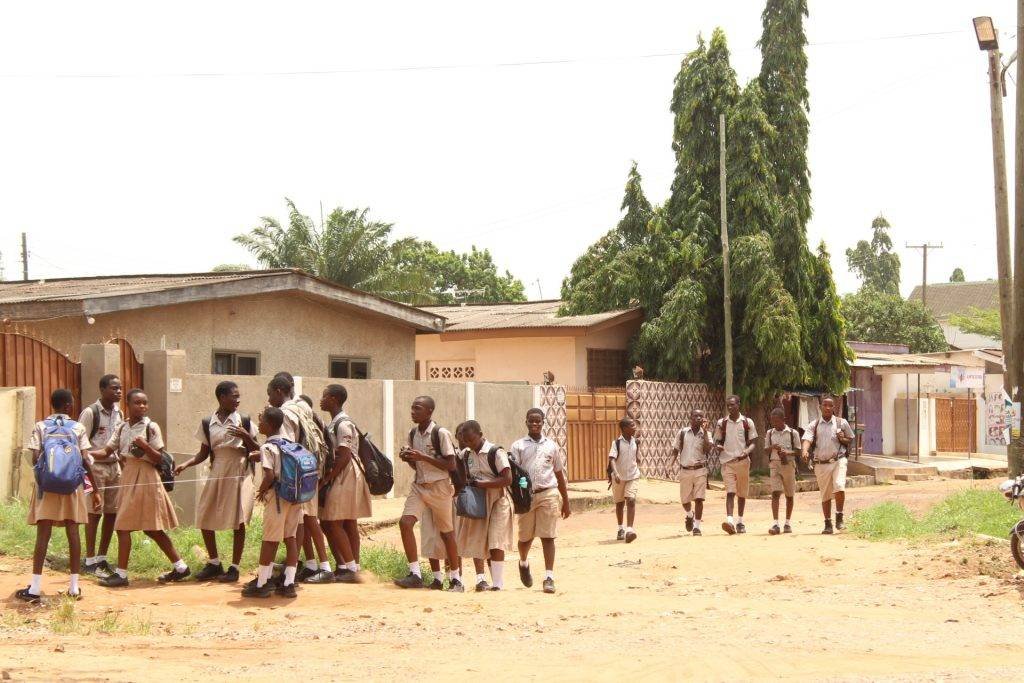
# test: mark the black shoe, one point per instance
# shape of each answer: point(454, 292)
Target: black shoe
point(273, 582)
point(25, 596)
point(174, 576)
point(482, 586)
point(89, 569)
point(304, 573)
point(210, 572)
point(102, 570)
point(320, 576)
point(410, 581)
point(741, 528)
point(729, 528)
point(525, 576)
point(696, 532)
point(346, 576)
point(787, 529)
point(436, 585)
point(286, 591)
point(621, 535)
point(549, 585)
point(455, 586)
point(839, 522)
point(774, 531)
point(230, 576)
point(630, 536)
point(115, 580)
point(689, 523)
point(827, 531)
point(251, 590)
point(495, 588)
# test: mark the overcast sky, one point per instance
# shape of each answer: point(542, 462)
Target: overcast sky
point(137, 138)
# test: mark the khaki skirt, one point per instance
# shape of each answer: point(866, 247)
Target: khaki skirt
point(476, 537)
point(143, 503)
point(57, 508)
point(348, 497)
point(229, 495)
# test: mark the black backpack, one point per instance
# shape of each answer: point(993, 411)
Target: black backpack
point(458, 476)
point(521, 489)
point(377, 469)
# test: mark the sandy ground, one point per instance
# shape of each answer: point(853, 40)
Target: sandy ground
point(669, 606)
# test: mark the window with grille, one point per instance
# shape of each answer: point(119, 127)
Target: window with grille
point(607, 367)
point(451, 371)
point(236, 363)
point(349, 368)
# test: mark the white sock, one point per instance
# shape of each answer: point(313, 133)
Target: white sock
point(549, 574)
point(455, 575)
point(352, 566)
point(311, 564)
point(101, 558)
point(414, 568)
point(629, 530)
point(180, 566)
point(325, 566)
point(123, 573)
point(739, 520)
point(689, 514)
point(481, 577)
point(356, 567)
point(73, 585)
point(263, 574)
point(787, 520)
point(525, 564)
point(90, 561)
point(37, 582)
point(696, 524)
point(215, 561)
point(621, 528)
point(497, 574)
point(728, 518)
point(235, 567)
point(289, 575)
point(776, 521)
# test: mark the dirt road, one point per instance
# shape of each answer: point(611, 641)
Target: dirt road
point(669, 606)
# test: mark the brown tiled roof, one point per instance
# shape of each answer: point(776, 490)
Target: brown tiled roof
point(78, 288)
point(947, 298)
point(530, 314)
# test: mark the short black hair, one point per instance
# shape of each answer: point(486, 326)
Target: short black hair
point(273, 416)
point(778, 411)
point(280, 384)
point(307, 399)
point(472, 426)
point(132, 393)
point(828, 397)
point(534, 411)
point(731, 397)
point(428, 401)
point(338, 392)
point(459, 427)
point(105, 380)
point(224, 388)
point(61, 398)
point(626, 421)
point(286, 375)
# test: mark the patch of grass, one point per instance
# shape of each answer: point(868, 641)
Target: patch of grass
point(115, 621)
point(389, 563)
point(971, 511)
point(64, 618)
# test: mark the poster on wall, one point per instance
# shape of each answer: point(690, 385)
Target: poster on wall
point(998, 417)
point(961, 377)
point(1015, 424)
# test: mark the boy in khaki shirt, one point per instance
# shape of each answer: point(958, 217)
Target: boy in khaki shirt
point(691, 454)
point(624, 471)
point(100, 421)
point(783, 444)
point(827, 441)
point(735, 437)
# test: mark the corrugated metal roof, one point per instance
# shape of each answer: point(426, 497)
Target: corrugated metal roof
point(76, 289)
point(947, 298)
point(876, 360)
point(959, 339)
point(530, 314)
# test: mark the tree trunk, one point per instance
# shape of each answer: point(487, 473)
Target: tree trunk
point(1015, 456)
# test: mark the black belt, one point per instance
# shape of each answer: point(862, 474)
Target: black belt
point(695, 467)
point(737, 459)
point(830, 460)
point(536, 491)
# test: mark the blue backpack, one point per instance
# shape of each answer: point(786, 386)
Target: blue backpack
point(298, 480)
point(59, 467)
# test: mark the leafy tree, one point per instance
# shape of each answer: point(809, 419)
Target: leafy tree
point(874, 316)
point(983, 321)
point(230, 267)
point(455, 278)
point(957, 276)
point(825, 329)
point(874, 262)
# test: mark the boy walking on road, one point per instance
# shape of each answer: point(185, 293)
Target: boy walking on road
point(783, 444)
point(691, 452)
point(624, 469)
point(735, 437)
point(826, 441)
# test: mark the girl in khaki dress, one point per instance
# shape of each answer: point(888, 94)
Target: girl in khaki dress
point(348, 494)
point(47, 510)
point(227, 499)
point(491, 537)
point(143, 505)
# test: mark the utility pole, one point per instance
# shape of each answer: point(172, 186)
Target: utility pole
point(1016, 372)
point(924, 275)
point(725, 255)
point(24, 257)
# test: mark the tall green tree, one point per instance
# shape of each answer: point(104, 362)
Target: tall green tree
point(874, 262)
point(455, 278)
point(874, 316)
point(958, 275)
point(825, 328)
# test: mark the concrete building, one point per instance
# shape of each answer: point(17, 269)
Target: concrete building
point(946, 299)
point(519, 342)
point(232, 323)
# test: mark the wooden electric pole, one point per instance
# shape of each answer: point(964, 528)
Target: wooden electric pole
point(1017, 345)
point(24, 257)
point(924, 275)
point(727, 294)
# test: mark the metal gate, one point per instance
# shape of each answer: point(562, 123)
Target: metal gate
point(955, 426)
point(869, 408)
point(131, 370)
point(28, 362)
point(593, 423)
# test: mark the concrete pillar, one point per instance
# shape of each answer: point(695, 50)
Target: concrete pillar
point(165, 377)
point(890, 390)
point(97, 360)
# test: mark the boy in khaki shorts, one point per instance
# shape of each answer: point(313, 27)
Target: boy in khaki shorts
point(734, 436)
point(541, 458)
point(826, 440)
point(431, 453)
point(692, 447)
point(783, 449)
point(623, 467)
point(101, 420)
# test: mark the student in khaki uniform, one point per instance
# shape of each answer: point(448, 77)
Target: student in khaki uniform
point(281, 394)
point(348, 495)
point(783, 449)
point(227, 499)
point(489, 538)
point(693, 443)
point(735, 441)
point(100, 420)
point(431, 490)
point(623, 467)
point(281, 518)
point(827, 441)
point(543, 461)
point(144, 505)
point(47, 510)
point(431, 544)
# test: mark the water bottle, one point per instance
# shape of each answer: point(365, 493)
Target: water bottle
point(522, 482)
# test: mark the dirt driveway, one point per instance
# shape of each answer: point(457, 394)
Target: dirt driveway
point(668, 606)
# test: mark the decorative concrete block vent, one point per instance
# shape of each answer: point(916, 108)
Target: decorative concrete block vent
point(660, 410)
point(551, 399)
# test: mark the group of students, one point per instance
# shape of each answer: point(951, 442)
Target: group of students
point(825, 444)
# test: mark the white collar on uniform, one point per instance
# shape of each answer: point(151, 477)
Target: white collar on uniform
point(430, 427)
point(485, 447)
point(738, 419)
point(116, 408)
point(215, 419)
point(530, 439)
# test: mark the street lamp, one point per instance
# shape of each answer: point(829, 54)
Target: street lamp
point(985, 30)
